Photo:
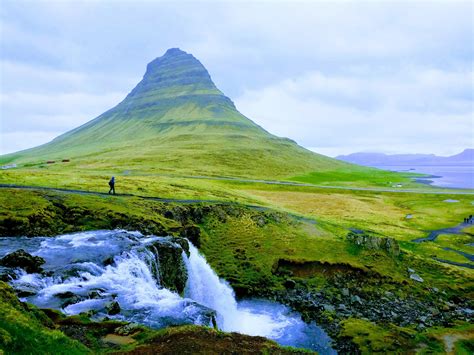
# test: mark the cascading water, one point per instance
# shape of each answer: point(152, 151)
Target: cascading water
point(86, 272)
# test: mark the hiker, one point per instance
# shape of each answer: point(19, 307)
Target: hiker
point(112, 185)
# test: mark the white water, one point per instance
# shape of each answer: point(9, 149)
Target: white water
point(76, 264)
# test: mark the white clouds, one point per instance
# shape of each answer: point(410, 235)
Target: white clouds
point(411, 110)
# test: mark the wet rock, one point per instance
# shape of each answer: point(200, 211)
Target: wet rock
point(112, 308)
point(416, 277)
point(7, 274)
point(369, 242)
point(20, 258)
point(172, 273)
point(64, 295)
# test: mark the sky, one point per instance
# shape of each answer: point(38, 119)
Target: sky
point(337, 77)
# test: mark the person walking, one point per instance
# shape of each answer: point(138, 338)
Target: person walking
point(112, 185)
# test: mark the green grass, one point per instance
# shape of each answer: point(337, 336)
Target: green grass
point(24, 329)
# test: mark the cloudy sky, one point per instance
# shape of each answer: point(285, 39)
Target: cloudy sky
point(337, 77)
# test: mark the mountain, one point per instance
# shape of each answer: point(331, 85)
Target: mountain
point(465, 158)
point(177, 121)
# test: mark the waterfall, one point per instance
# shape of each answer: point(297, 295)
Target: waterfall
point(86, 272)
point(205, 287)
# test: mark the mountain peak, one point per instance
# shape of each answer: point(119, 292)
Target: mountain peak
point(173, 75)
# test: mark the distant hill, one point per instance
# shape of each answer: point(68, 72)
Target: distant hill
point(465, 158)
point(177, 121)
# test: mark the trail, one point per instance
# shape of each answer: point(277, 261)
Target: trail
point(303, 184)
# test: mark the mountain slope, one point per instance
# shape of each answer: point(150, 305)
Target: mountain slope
point(176, 120)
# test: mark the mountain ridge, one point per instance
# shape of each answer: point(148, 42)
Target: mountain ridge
point(466, 157)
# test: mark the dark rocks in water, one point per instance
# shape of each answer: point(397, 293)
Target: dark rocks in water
point(112, 308)
point(20, 258)
point(172, 273)
point(64, 295)
point(7, 274)
point(369, 242)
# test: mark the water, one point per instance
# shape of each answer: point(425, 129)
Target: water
point(446, 176)
point(101, 267)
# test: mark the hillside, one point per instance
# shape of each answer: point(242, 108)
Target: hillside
point(177, 121)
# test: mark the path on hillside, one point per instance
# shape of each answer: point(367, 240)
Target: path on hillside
point(303, 184)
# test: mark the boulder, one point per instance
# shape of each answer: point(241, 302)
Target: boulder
point(112, 308)
point(416, 277)
point(369, 242)
point(172, 273)
point(20, 258)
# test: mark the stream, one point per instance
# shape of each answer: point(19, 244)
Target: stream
point(102, 270)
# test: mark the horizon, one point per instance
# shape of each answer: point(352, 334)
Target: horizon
point(396, 91)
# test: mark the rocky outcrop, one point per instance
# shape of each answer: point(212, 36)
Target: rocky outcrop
point(171, 273)
point(20, 258)
point(366, 241)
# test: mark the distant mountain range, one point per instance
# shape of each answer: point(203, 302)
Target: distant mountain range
point(465, 158)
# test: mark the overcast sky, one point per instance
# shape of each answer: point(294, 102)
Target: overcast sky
point(337, 77)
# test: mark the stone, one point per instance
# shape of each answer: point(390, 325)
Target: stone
point(369, 242)
point(328, 308)
point(172, 273)
point(388, 294)
point(411, 271)
point(112, 308)
point(289, 284)
point(345, 292)
point(416, 277)
point(356, 298)
point(20, 258)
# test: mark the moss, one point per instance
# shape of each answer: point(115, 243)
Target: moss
point(373, 338)
point(25, 329)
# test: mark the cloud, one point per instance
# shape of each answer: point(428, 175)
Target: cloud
point(338, 65)
point(411, 110)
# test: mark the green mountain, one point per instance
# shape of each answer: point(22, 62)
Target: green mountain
point(177, 121)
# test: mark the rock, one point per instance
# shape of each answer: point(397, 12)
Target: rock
point(172, 273)
point(112, 308)
point(356, 299)
point(193, 234)
point(20, 258)
point(345, 292)
point(7, 274)
point(410, 271)
point(435, 289)
point(369, 242)
point(328, 308)
point(64, 295)
point(416, 277)
point(290, 284)
point(128, 329)
point(342, 307)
